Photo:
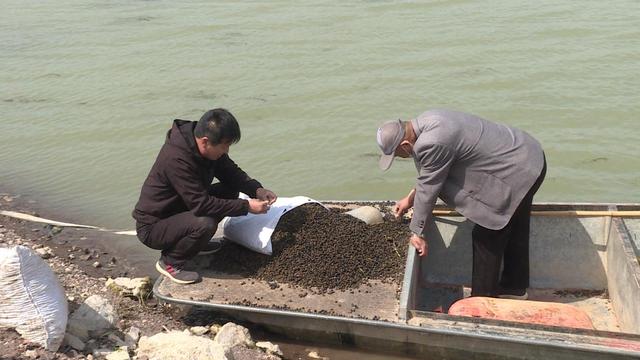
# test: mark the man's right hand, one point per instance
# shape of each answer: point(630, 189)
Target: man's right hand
point(258, 206)
point(403, 205)
point(401, 208)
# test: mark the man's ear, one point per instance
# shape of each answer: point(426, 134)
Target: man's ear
point(407, 142)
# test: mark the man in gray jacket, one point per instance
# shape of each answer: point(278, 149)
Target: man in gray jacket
point(488, 172)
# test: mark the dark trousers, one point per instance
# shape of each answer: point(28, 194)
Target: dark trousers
point(180, 237)
point(509, 245)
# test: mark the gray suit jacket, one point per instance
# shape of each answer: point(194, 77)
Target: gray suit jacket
point(480, 168)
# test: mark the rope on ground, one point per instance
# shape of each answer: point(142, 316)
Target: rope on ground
point(27, 217)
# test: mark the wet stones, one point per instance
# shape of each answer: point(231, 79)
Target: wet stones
point(322, 249)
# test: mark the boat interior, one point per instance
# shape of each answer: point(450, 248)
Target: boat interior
point(583, 256)
point(589, 262)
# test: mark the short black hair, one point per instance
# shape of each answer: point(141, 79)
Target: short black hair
point(218, 125)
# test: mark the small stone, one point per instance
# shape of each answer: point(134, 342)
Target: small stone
point(269, 348)
point(131, 337)
point(199, 330)
point(31, 354)
point(116, 339)
point(137, 287)
point(102, 352)
point(214, 329)
point(96, 264)
point(74, 341)
point(71, 256)
point(315, 355)
point(232, 334)
point(44, 253)
point(121, 354)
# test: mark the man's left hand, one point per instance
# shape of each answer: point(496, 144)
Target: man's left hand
point(266, 195)
point(420, 244)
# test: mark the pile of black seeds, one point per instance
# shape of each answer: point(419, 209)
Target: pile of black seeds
point(323, 249)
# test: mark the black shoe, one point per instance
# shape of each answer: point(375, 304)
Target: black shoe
point(211, 247)
point(516, 294)
point(176, 273)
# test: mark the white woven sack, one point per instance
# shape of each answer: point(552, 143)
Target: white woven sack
point(31, 298)
point(254, 231)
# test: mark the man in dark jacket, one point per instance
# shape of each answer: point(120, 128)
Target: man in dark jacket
point(179, 208)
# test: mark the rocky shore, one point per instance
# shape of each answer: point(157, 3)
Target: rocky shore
point(136, 326)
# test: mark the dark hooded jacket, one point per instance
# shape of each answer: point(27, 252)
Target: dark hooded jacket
point(180, 178)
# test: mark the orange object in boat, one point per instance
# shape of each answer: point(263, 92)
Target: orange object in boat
point(533, 312)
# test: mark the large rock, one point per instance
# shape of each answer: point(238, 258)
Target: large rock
point(179, 345)
point(93, 318)
point(232, 334)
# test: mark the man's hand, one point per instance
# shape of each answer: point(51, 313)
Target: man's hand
point(420, 244)
point(258, 206)
point(402, 206)
point(266, 195)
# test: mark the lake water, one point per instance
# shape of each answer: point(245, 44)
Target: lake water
point(89, 89)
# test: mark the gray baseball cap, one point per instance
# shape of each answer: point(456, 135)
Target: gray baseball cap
point(389, 136)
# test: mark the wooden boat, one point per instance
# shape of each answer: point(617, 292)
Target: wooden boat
point(582, 255)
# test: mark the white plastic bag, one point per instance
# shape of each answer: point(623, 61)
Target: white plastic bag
point(254, 231)
point(31, 299)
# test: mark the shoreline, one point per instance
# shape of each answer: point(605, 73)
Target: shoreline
point(73, 255)
point(132, 257)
